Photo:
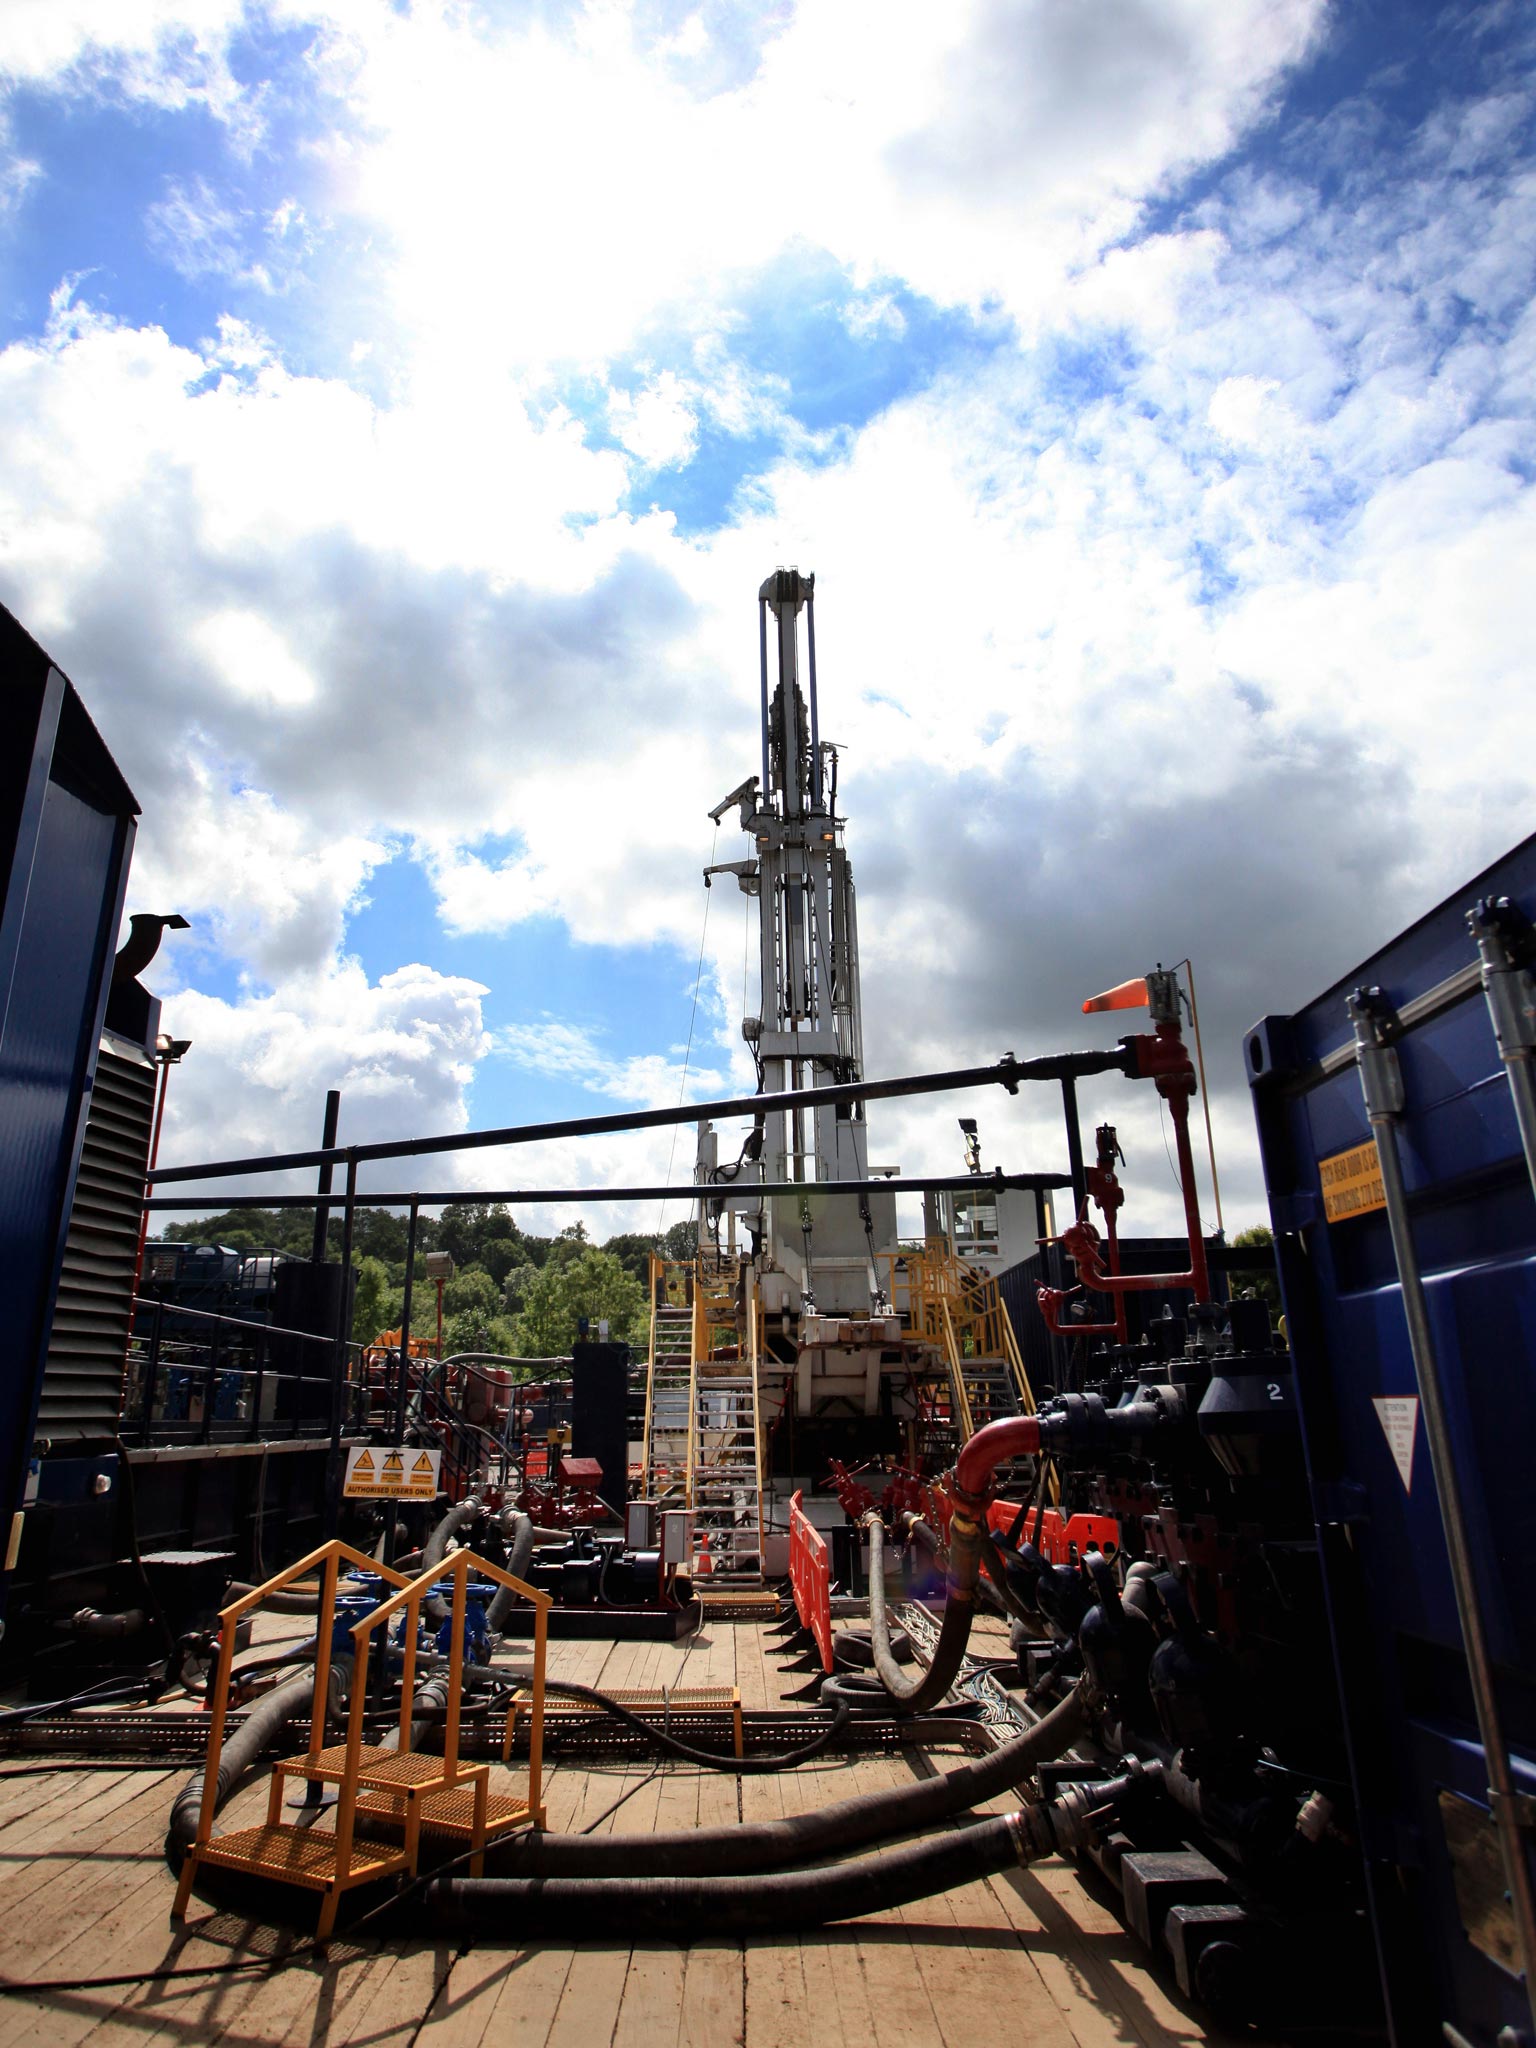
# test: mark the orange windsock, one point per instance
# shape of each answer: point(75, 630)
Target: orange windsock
point(1128, 995)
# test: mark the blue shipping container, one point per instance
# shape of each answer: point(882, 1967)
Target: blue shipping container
point(1448, 1930)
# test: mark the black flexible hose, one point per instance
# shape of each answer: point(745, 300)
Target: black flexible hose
point(518, 1559)
point(712, 1759)
point(107, 1692)
point(435, 1549)
point(802, 1837)
point(917, 1695)
point(651, 1906)
point(251, 1739)
point(997, 1572)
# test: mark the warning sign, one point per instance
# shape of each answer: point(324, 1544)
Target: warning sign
point(380, 1473)
point(1351, 1182)
point(1398, 1415)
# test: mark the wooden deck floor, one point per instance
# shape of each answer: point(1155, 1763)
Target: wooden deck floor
point(1033, 1957)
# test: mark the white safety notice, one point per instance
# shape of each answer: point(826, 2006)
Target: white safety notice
point(385, 1472)
point(1398, 1415)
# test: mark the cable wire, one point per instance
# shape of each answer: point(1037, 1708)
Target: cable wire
point(698, 977)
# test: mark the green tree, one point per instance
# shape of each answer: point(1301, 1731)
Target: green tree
point(1260, 1280)
point(372, 1301)
point(471, 1289)
point(500, 1255)
point(633, 1249)
point(681, 1241)
point(465, 1228)
point(569, 1245)
point(473, 1330)
point(516, 1286)
point(590, 1283)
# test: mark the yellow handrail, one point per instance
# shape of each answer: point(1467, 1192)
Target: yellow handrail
point(956, 1377)
point(410, 1597)
point(755, 1349)
point(329, 1556)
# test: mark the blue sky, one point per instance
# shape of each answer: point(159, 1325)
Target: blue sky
point(403, 403)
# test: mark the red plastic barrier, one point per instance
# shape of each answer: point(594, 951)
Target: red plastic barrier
point(810, 1575)
point(1058, 1539)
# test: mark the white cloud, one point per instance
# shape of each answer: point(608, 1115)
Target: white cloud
point(402, 1051)
point(656, 424)
point(1185, 619)
point(646, 1081)
point(253, 659)
point(267, 887)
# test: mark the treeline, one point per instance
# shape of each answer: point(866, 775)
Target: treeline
point(512, 1292)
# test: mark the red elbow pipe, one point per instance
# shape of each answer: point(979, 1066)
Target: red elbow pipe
point(1015, 1436)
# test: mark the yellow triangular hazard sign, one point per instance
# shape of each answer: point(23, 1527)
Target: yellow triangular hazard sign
point(394, 1462)
point(422, 1464)
point(364, 1462)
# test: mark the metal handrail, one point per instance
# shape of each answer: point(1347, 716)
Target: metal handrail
point(328, 1557)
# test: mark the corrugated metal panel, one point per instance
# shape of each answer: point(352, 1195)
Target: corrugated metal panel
point(83, 1375)
point(1421, 1772)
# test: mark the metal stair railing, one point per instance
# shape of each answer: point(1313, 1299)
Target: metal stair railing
point(392, 1785)
point(296, 1855)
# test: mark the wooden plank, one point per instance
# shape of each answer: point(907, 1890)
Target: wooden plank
point(651, 2012)
point(506, 1998)
point(388, 2002)
point(714, 1997)
point(590, 1999)
point(777, 2004)
point(1099, 1976)
point(972, 1963)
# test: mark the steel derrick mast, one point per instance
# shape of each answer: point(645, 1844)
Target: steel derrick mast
point(816, 1251)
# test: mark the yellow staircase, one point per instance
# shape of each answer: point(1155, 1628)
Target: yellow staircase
point(669, 1384)
point(388, 1788)
point(958, 1309)
point(725, 1474)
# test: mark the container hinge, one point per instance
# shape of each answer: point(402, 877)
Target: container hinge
point(1293, 1213)
point(1520, 1806)
point(1341, 1500)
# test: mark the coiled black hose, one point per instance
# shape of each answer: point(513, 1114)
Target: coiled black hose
point(521, 1530)
point(256, 1733)
point(917, 1695)
point(802, 1837)
point(435, 1549)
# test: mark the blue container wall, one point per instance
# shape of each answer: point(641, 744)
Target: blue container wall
point(66, 834)
point(1402, 1669)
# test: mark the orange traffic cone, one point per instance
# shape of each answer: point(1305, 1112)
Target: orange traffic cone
point(703, 1564)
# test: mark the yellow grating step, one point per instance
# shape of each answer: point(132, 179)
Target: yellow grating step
point(745, 1604)
point(452, 1813)
point(297, 1856)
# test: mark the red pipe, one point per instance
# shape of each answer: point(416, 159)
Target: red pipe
point(1105, 1190)
point(1015, 1436)
point(1164, 1059)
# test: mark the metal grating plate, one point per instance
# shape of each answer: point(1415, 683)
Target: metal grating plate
point(451, 1813)
point(295, 1855)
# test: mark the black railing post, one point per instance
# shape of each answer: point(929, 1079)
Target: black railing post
point(152, 1367)
point(210, 1384)
point(405, 1322)
point(258, 1377)
point(335, 1465)
point(1074, 1144)
point(323, 1183)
